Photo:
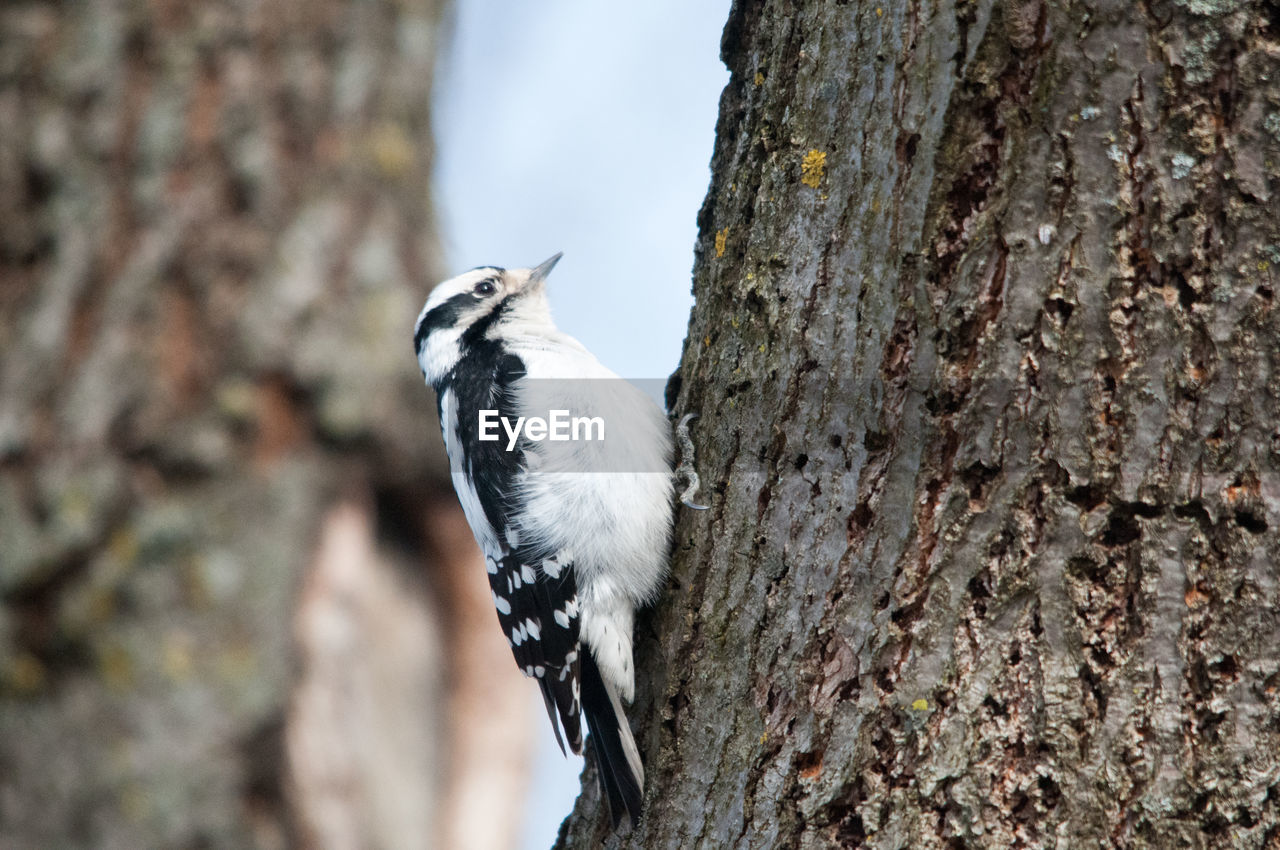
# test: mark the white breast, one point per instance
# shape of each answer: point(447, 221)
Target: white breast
point(616, 522)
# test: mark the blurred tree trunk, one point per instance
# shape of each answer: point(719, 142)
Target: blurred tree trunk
point(229, 580)
point(986, 353)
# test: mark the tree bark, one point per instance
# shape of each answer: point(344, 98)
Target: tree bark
point(227, 581)
point(985, 352)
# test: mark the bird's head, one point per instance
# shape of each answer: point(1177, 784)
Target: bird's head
point(475, 306)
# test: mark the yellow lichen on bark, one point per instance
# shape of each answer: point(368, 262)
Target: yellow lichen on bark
point(812, 167)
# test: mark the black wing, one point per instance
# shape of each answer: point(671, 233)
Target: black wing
point(537, 602)
point(534, 592)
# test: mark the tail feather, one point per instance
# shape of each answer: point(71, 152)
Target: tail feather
point(549, 700)
point(617, 758)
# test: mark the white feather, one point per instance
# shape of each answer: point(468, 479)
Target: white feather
point(617, 523)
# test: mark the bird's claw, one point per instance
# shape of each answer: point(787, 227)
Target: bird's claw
point(686, 469)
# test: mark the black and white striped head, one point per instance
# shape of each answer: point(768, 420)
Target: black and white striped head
point(475, 306)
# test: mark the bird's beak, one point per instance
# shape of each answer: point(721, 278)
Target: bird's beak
point(539, 272)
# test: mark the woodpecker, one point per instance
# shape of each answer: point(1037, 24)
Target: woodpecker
point(571, 551)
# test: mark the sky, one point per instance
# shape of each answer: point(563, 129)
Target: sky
point(583, 127)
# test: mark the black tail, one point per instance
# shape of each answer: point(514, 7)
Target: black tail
point(617, 759)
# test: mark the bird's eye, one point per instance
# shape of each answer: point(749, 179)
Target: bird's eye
point(485, 287)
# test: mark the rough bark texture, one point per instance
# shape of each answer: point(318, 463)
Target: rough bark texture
point(986, 354)
point(218, 626)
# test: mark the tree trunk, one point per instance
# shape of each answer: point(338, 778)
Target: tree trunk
point(986, 354)
point(218, 626)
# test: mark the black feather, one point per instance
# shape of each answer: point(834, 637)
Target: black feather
point(622, 788)
point(483, 380)
point(443, 316)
